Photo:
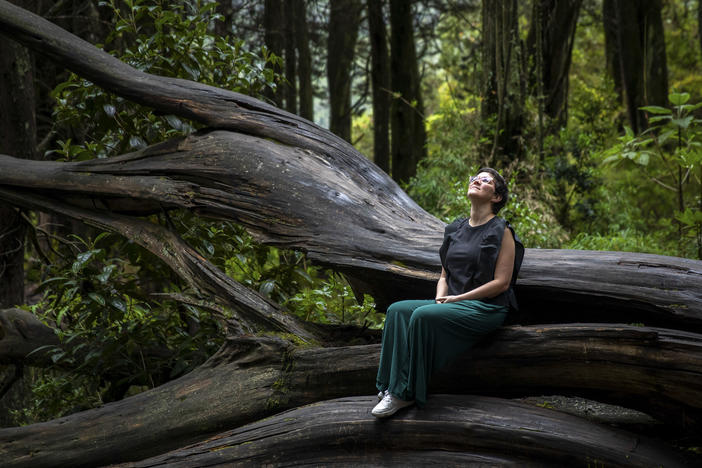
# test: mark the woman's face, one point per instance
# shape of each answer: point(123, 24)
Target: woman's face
point(482, 186)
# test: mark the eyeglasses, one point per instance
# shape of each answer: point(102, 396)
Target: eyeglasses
point(483, 179)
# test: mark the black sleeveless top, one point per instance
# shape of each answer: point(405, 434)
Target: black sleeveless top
point(469, 255)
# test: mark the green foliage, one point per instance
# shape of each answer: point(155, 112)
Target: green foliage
point(108, 329)
point(441, 183)
point(284, 276)
point(56, 394)
point(669, 154)
point(332, 301)
point(167, 38)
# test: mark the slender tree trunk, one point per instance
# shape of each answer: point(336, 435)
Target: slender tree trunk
point(502, 100)
point(406, 119)
point(304, 64)
point(550, 44)
point(344, 19)
point(290, 86)
point(224, 27)
point(274, 39)
point(636, 55)
point(17, 136)
point(380, 78)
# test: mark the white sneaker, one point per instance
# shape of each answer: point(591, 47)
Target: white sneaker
point(382, 394)
point(389, 405)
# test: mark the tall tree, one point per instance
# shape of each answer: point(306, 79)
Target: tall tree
point(502, 81)
point(380, 79)
point(17, 136)
point(407, 111)
point(550, 46)
point(224, 27)
point(290, 86)
point(636, 56)
point(344, 20)
point(304, 64)
point(274, 39)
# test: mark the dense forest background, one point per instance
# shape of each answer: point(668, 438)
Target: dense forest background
point(588, 107)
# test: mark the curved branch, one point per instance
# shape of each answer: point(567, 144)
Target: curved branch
point(251, 306)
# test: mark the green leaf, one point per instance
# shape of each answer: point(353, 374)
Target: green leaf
point(656, 110)
point(106, 272)
point(97, 298)
point(660, 118)
point(678, 99)
point(174, 122)
point(684, 122)
point(81, 260)
point(136, 142)
point(119, 304)
point(60, 316)
point(643, 159)
point(110, 110)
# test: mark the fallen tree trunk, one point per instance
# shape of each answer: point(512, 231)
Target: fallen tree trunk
point(656, 371)
point(450, 431)
point(221, 173)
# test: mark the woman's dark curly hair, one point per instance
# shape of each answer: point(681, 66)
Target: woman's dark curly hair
point(500, 188)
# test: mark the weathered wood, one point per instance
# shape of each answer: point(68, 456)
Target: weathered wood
point(294, 198)
point(20, 334)
point(251, 307)
point(654, 370)
point(451, 430)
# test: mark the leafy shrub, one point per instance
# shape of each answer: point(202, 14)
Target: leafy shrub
point(108, 329)
point(166, 38)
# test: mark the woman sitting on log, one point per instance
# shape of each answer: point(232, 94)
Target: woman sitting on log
point(480, 259)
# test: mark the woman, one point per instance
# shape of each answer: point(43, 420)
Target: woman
point(480, 259)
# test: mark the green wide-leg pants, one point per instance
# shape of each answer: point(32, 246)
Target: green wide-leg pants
point(421, 337)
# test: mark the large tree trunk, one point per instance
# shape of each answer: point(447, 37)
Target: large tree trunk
point(304, 58)
point(655, 370)
point(501, 104)
point(17, 137)
point(344, 20)
point(293, 184)
point(380, 79)
point(550, 44)
point(408, 145)
point(451, 431)
point(636, 55)
point(274, 39)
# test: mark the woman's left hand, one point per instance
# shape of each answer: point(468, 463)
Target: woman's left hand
point(445, 299)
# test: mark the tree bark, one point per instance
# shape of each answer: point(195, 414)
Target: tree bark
point(304, 65)
point(553, 39)
point(274, 38)
point(290, 87)
point(344, 20)
point(636, 55)
point(408, 145)
point(21, 333)
point(501, 106)
point(380, 78)
point(451, 431)
point(17, 137)
point(655, 370)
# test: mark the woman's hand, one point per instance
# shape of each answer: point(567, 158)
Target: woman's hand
point(445, 299)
